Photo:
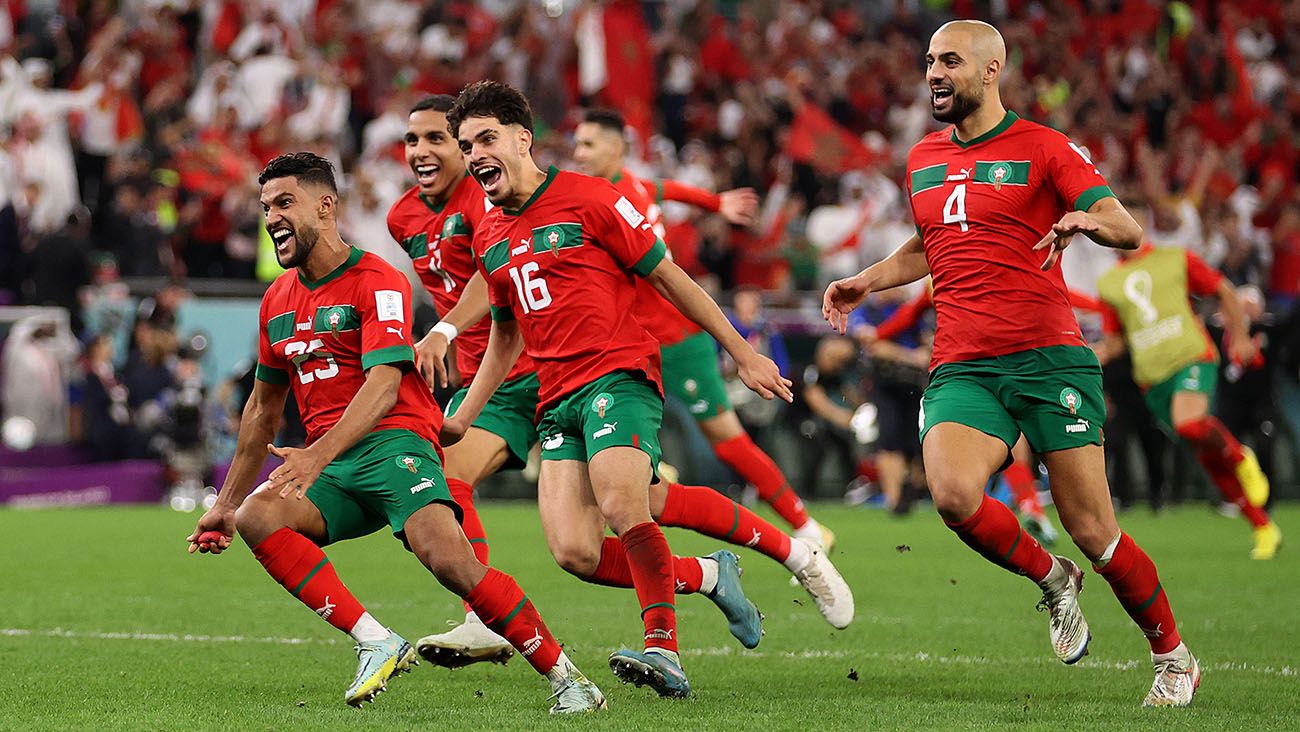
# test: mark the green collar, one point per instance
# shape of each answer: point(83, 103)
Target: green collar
point(438, 207)
point(550, 176)
point(617, 178)
point(1007, 120)
point(353, 257)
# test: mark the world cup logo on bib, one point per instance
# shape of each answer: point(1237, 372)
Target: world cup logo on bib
point(1071, 399)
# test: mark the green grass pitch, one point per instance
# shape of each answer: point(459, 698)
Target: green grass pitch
point(106, 623)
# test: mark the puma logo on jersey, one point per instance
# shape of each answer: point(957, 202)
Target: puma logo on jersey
point(395, 331)
point(326, 610)
point(608, 429)
point(304, 325)
point(524, 246)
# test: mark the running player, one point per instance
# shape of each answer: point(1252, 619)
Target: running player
point(336, 332)
point(690, 362)
point(1008, 355)
point(434, 222)
point(1146, 311)
point(560, 252)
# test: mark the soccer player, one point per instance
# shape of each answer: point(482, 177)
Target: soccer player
point(1147, 311)
point(690, 363)
point(1008, 356)
point(434, 222)
point(335, 330)
point(560, 252)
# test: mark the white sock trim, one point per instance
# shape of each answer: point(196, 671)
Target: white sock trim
point(800, 556)
point(1110, 551)
point(560, 671)
point(709, 570)
point(368, 629)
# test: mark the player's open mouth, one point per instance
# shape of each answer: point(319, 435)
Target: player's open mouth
point(281, 236)
point(426, 173)
point(940, 95)
point(487, 176)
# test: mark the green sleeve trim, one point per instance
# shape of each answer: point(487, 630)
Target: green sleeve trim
point(1091, 196)
point(659, 192)
point(389, 355)
point(271, 375)
point(502, 314)
point(652, 258)
point(918, 232)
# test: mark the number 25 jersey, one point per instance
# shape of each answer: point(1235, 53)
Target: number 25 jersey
point(564, 266)
point(980, 206)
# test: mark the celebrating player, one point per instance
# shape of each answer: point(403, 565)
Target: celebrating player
point(560, 253)
point(1146, 310)
point(434, 222)
point(336, 332)
point(1008, 355)
point(690, 363)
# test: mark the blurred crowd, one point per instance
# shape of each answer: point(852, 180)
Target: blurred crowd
point(131, 133)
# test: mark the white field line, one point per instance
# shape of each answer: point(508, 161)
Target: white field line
point(919, 657)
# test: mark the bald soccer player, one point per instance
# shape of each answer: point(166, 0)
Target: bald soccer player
point(997, 200)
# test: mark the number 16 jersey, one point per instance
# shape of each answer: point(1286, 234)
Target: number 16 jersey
point(980, 206)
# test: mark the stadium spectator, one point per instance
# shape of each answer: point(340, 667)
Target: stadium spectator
point(830, 392)
point(100, 401)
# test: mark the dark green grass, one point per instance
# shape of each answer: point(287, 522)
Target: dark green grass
point(942, 639)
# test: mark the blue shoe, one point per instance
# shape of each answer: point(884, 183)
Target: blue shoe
point(743, 618)
point(377, 662)
point(655, 670)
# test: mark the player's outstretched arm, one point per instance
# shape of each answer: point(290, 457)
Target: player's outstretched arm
point(905, 265)
point(257, 426)
point(1106, 222)
point(1241, 347)
point(757, 371)
point(505, 343)
point(373, 400)
point(469, 310)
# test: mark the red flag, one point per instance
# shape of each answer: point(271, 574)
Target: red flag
point(629, 65)
point(816, 139)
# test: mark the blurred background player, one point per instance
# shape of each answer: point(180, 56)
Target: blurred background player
point(435, 223)
point(334, 329)
point(1008, 354)
point(559, 254)
point(1148, 313)
point(690, 359)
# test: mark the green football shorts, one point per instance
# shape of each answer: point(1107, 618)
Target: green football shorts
point(620, 409)
point(1052, 395)
point(1201, 377)
point(691, 374)
point(383, 479)
point(508, 414)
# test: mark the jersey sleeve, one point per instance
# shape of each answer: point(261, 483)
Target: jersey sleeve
point(1080, 301)
point(1077, 181)
point(273, 328)
point(1110, 324)
point(383, 304)
point(906, 316)
point(1202, 279)
point(498, 299)
point(671, 190)
point(623, 231)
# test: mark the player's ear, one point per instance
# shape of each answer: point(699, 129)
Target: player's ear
point(525, 141)
point(992, 70)
point(325, 205)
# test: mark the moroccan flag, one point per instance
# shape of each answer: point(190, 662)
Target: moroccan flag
point(616, 63)
point(816, 139)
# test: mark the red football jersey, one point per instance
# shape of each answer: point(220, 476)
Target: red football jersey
point(980, 207)
point(320, 337)
point(664, 321)
point(564, 265)
point(437, 238)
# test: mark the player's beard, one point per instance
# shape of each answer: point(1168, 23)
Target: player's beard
point(304, 240)
point(961, 107)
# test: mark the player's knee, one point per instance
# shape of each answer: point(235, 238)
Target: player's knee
point(1091, 535)
point(258, 518)
point(576, 559)
point(955, 497)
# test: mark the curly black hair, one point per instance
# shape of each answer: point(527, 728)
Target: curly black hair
point(309, 168)
point(490, 99)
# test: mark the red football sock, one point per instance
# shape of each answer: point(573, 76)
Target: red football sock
point(614, 571)
point(651, 565)
point(1023, 490)
point(1132, 577)
point(994, 532)
point(463, 494)
point(296, 562)
point(708, 512)
point(748, 460)
point(502, 606)
point(1220, 453)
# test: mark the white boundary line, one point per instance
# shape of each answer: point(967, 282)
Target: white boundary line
point(719, 651)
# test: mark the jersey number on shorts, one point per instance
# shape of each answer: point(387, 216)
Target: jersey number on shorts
point(533, 294)
point(297, 352)
point(954, 209)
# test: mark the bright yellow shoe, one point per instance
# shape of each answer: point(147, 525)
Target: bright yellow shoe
point(1268, 538)
point(1253, 481)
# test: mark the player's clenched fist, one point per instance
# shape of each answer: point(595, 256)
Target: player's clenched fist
point(841, 298)
point(762, 376)
point(214, 531)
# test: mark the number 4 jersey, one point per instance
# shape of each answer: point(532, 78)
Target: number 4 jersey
point(980, 207)
point(320, 338)
point(563, 265)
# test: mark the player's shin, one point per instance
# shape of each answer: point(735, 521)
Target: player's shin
point(708, 512)
point(501, 604)
point(471, 524)
point(1132, 576)
point(994, 532)
point(693, 574)
point(651, 565)
point(302, 568)
point(751, 463)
